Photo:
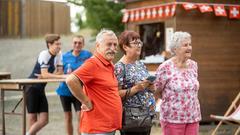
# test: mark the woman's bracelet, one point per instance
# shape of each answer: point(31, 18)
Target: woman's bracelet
point(128, 91)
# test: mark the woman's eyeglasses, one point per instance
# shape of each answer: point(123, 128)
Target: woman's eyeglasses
point(137, 43)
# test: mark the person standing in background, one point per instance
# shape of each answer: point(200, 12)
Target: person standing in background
point(71, 61)
point(48, 65)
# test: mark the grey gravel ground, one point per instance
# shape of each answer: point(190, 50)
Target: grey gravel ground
point(56, 121)
point(18, 56)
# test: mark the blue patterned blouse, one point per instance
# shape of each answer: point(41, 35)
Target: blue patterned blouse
point(135, 73)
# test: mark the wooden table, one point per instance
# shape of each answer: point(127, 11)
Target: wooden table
point(5, 75)
point(18, 85)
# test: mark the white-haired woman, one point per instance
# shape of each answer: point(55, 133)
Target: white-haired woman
point(177, 83)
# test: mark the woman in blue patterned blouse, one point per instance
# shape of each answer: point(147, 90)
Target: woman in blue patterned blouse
point(131, 75)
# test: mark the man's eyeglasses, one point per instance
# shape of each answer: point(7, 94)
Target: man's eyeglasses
point(137, 43)
point(75, 42)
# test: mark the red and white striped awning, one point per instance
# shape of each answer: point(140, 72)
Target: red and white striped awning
point(168, 10)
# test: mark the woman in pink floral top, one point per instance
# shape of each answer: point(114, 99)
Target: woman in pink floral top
point(177, 83)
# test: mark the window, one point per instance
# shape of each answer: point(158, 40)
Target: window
point(152, 36)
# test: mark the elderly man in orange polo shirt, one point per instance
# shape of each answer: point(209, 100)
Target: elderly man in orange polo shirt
point(95, 85)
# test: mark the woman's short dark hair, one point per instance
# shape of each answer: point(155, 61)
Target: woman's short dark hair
point(51, 38)
point(126, 37)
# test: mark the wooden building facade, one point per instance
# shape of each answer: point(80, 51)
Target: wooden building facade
point(31, 18)
point(216, 48)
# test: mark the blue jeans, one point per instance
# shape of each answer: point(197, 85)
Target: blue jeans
point(108, 133)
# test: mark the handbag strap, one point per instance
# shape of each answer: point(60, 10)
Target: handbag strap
point(124, 82)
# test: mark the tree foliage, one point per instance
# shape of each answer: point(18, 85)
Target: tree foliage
point(102, 14)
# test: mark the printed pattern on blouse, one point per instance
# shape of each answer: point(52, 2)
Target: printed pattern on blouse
point(179, 87)
point(135, 73)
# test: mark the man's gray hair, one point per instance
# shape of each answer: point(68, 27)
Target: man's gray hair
point(176, 40)
point(99, 37)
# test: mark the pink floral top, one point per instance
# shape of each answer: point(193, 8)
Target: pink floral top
point(179, 87)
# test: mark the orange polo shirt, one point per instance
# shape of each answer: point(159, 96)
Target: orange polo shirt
point(101, 86)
